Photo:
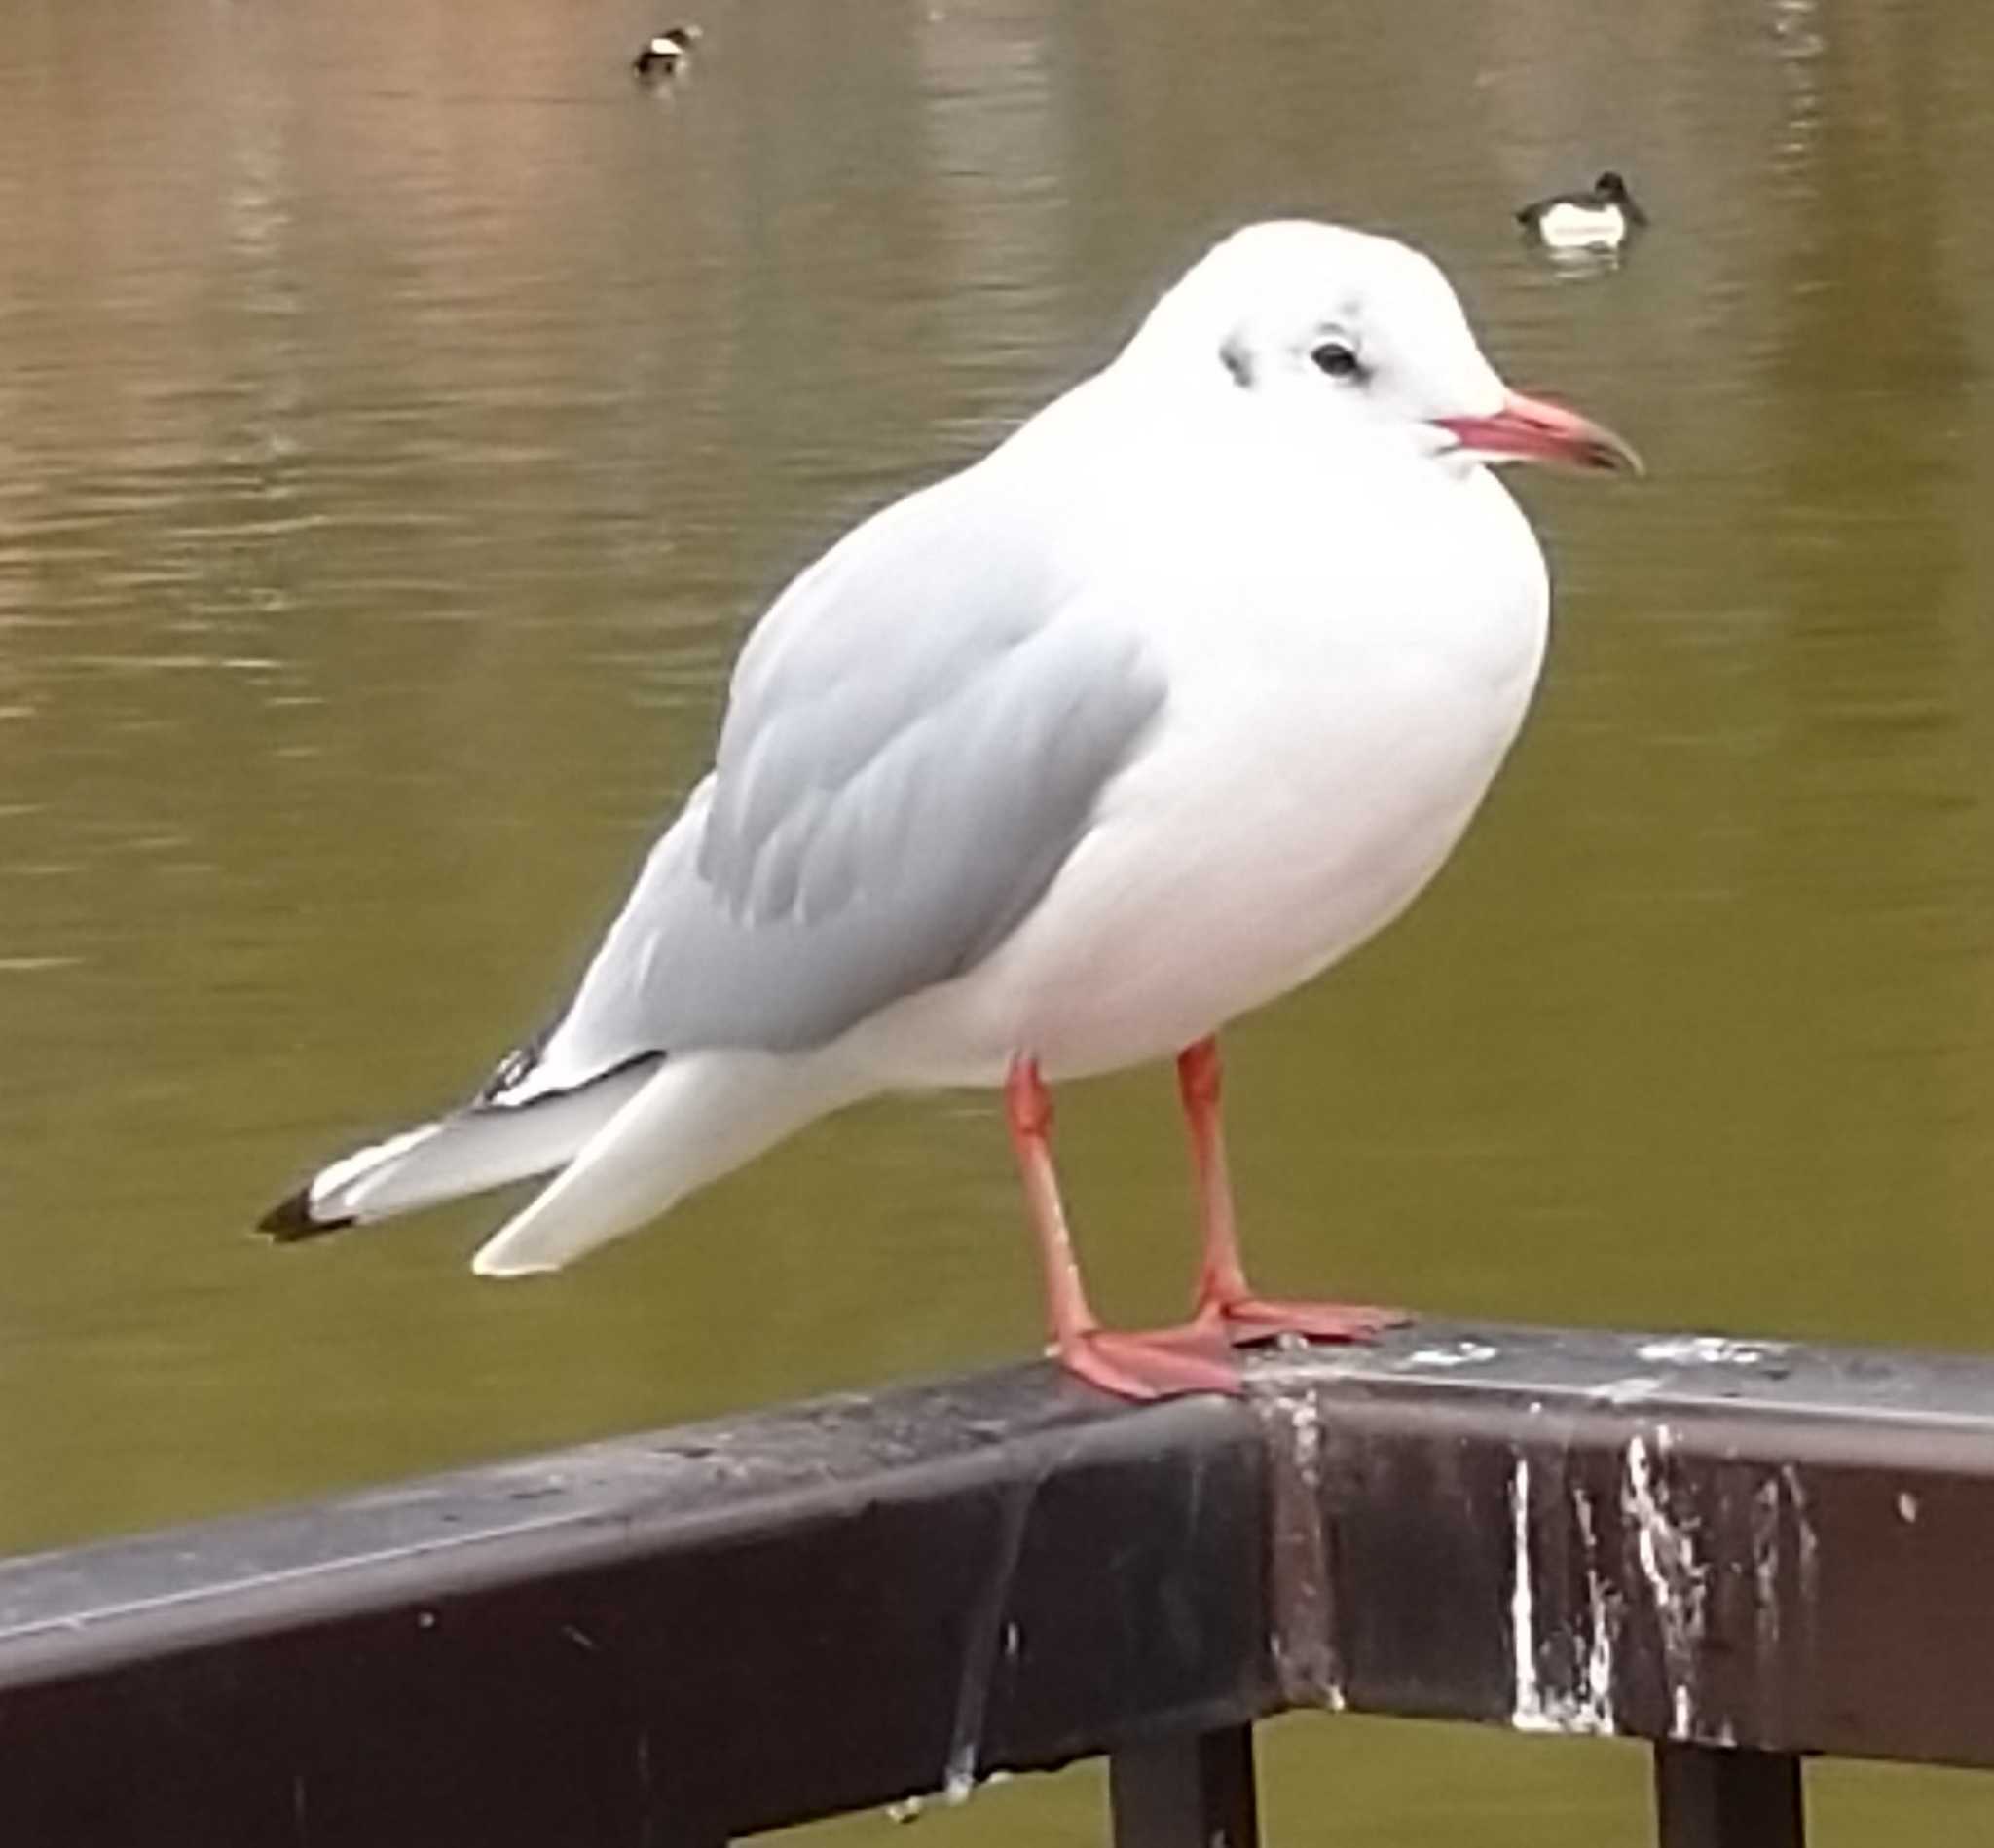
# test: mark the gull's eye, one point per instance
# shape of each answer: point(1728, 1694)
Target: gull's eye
point(1335, 359)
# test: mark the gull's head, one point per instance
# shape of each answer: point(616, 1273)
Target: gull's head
point(1353, 336)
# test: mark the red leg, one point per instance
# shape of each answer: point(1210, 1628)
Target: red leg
point(1151, 1365)
point(1223, 1292)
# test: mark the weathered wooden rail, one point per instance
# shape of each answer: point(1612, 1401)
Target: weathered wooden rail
point(1742, 1551)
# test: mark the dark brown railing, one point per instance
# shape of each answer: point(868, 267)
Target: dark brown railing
point(1742, 1551)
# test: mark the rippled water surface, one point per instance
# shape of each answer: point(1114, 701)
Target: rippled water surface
point(402, 416)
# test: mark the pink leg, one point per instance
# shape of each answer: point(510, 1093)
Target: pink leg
point(1151, 1365)
point(1222, 1291)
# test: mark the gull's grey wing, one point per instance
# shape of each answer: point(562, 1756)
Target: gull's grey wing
point(917, 736)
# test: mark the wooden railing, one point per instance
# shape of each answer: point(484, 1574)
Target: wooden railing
point(1742, 1551)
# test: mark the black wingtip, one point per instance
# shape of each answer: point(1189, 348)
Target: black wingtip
point(290, 1220)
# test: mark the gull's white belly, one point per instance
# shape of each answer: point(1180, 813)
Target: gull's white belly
point(1298, 792)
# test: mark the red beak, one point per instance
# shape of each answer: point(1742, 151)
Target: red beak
point(1528, 429)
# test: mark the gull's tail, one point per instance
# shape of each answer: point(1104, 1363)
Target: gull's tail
point(693, 1119)
point(628, 1145)
point(484, 1146)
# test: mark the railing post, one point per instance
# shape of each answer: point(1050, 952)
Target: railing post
point(1192, 1790)
point(1712, 1796)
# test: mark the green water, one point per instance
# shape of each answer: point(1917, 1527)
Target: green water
point(401, 418)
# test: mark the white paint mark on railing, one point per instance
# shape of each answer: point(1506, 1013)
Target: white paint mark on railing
point(1675, 1580)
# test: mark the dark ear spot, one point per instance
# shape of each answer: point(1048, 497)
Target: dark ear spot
point(1238, 361)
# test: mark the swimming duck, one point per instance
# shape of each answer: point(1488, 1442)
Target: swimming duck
point(663, 54)
point(1600, 219)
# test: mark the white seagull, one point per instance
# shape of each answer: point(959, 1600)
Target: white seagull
point(1057, 766)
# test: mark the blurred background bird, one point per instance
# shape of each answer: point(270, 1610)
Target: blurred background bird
point(1601, 218)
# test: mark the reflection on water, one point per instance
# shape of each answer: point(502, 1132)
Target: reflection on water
point(402, 414)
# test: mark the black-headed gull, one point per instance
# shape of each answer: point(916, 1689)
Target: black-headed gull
point(1057, 766)
point(1601, 218)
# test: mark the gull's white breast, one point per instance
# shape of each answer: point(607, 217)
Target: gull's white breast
point(1348, 659)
